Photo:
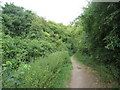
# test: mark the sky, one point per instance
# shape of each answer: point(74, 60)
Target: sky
point(59, 11)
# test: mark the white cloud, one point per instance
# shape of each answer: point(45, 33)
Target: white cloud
point(60, 11)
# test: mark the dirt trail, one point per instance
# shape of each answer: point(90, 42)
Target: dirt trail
point(81, 76)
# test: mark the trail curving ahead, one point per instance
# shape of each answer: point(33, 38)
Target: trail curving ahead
point(81, 76)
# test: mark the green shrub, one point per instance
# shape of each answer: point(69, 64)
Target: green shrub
point(16, 49)
point(37, 48)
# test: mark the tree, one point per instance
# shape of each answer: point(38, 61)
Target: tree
point(16, 20)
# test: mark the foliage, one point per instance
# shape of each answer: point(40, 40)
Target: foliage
point(100, 32)
point(16, 20)
point(41, 73)
point(99, 39)
point(27, 41)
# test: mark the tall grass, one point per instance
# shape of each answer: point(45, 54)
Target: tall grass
point(49, 72)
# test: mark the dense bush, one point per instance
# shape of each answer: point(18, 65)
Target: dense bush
point(100, 32)
point(99, 38)
point(16, 20)
point(27, 42)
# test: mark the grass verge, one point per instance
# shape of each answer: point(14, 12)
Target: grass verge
point(49, 72)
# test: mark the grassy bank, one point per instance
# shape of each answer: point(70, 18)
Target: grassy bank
point(49, 72)
point(107, 74)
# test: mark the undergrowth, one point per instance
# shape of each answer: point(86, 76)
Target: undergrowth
point(49, 72)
